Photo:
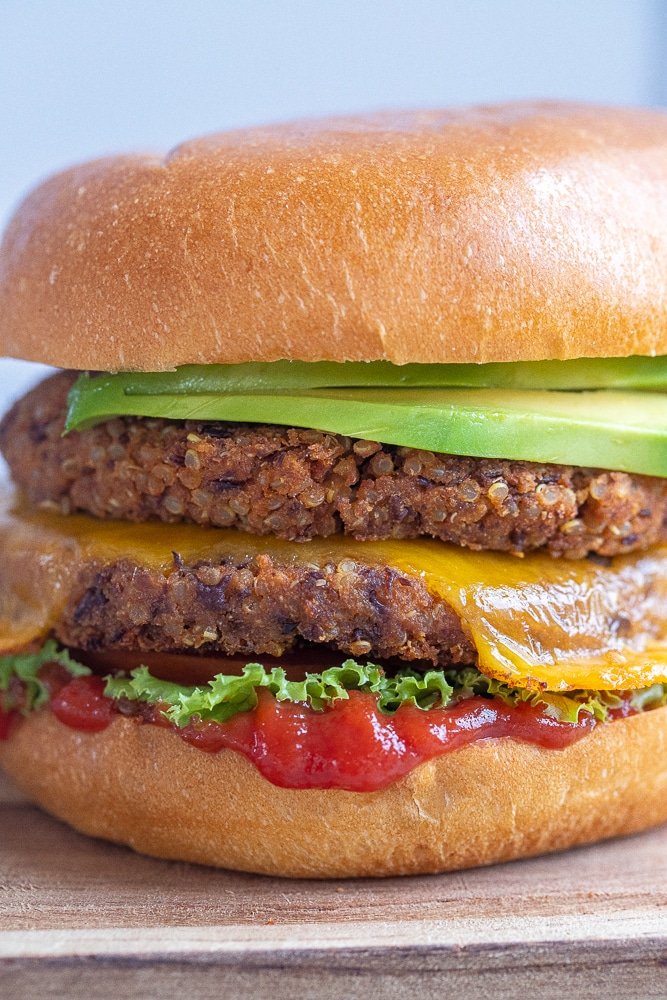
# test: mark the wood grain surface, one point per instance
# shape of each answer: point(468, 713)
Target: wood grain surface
point(82, 918)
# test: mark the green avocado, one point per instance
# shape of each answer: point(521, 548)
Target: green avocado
point(257, 376)
point(602, 428)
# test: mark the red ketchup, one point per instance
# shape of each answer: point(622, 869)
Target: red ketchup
point(349, 745)
point(81, 704)
point(6, 722)
point(353, 746)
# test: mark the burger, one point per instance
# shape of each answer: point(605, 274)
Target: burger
point(338, 544)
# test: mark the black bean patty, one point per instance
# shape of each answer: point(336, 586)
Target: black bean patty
point(261, 606)
point(297, 484)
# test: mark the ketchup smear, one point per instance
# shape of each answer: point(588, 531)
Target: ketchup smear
point(349, 745)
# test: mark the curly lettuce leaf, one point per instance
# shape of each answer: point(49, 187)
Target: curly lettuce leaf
point(557, 705)
point(226, 694)
point(26, 666)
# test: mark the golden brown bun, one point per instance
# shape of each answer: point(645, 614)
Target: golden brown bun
point(488, 234)
point(143, 786)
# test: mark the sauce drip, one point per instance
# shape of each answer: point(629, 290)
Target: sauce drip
point(81, 704)
point(353, 746)
point(349, 745)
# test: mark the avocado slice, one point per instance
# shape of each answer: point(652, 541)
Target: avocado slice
point(271, 376)
point(606, 429)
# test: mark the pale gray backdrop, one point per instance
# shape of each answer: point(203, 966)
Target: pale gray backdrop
point(79, 78)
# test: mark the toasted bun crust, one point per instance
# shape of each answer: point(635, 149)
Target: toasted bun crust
point(492, 234)
point(492, 801)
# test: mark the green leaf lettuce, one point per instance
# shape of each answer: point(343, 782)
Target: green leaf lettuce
point(226, 695)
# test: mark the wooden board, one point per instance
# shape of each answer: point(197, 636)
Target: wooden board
point(81, 918)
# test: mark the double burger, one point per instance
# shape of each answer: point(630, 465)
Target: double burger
point(338, 543)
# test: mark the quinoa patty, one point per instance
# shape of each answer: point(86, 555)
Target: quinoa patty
point(298, 484)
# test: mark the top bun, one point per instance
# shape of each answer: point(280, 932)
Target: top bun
point(523, 231)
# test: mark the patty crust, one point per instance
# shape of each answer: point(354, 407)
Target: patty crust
point(298, 484)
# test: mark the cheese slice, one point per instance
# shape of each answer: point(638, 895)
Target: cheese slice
point(535, 621)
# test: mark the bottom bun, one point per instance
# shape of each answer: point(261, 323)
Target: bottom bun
point(491, 801)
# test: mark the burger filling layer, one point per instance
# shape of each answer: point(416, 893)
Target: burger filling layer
point(298, 483)
point(352, 727)
point(349, 658)
point(543, 650)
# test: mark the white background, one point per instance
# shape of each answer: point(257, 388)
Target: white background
point(79, 78)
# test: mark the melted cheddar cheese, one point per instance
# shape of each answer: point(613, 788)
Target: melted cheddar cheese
point(535, 621)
